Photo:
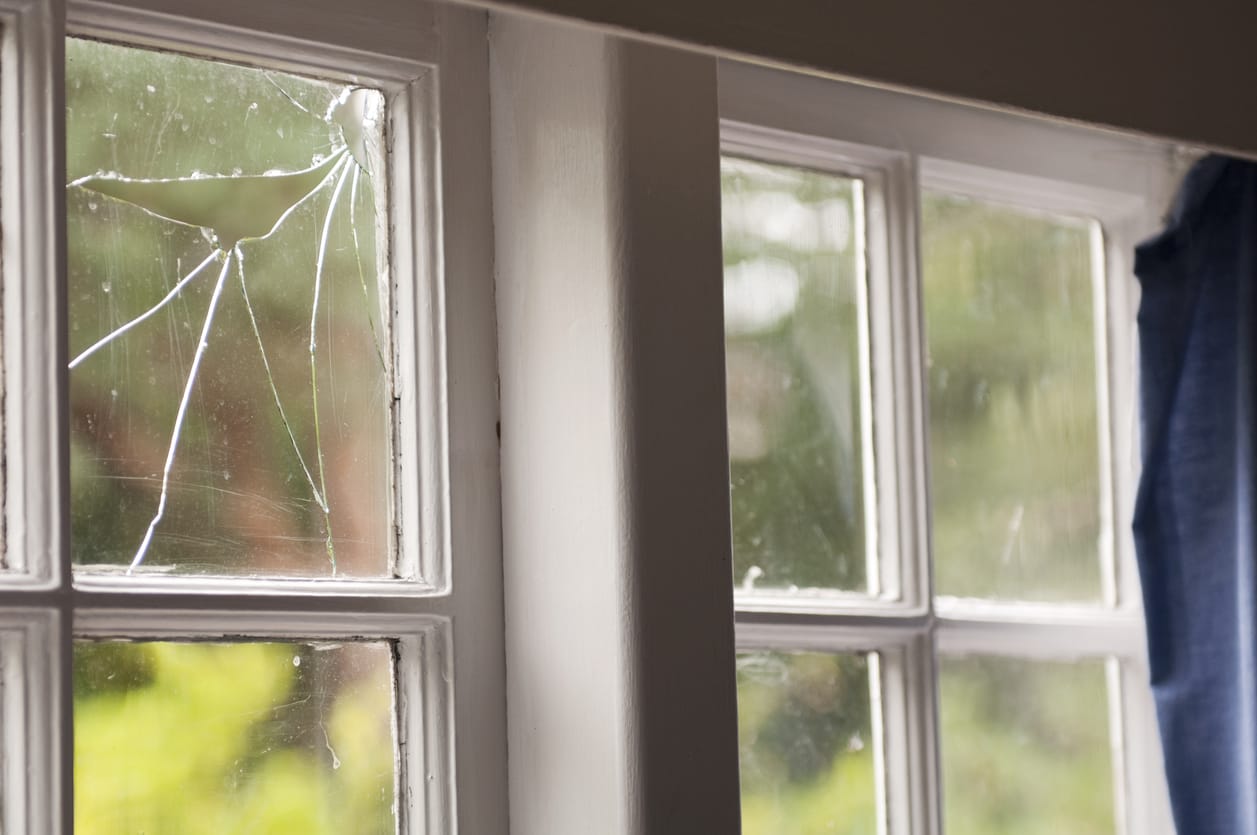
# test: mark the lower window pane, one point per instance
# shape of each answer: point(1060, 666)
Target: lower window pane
point(806, 744)
point(1025, 747)
point(243, 737)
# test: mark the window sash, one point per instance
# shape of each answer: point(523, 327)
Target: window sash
point(417, 414)
point(900, 145)
point(446, 424)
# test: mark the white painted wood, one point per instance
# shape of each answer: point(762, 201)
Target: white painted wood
point(614, 462)
point(234, 33)
point(1161, 70)
point(1038, 166)
point(376, 28)
point(31, 170)
point(471, 388)
point(444, 613)
point(892, 500)
point(997, 141)
point(32, 734)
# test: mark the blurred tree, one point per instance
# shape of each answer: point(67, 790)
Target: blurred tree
point(1014, 492)
point(187, 738)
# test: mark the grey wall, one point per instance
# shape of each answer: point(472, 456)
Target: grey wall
point(1176, 69)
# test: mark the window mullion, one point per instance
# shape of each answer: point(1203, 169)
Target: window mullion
point(920, 675)
point(32, 166)
point(908, 407)
point(910, 705)
point(1043, 639)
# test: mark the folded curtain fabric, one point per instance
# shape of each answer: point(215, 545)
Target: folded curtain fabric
point(1194, 514)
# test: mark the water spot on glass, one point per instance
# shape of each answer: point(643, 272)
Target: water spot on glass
point(296, 660)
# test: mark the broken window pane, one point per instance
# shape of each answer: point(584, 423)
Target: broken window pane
point(794, 308)
point(230, 387)
point(805, 735)
point(1014, 425)
point(242, 737)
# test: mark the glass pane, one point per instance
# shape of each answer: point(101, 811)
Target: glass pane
point(1014, 445)
point(249, 737)
point(793, 295)
point(229, 392)
point(806, 744)
point(1025, 747)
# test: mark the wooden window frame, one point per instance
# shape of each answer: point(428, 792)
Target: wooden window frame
point(900, 145)
point(432, 64)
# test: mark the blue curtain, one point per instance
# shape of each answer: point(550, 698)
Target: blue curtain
point(1195, 510)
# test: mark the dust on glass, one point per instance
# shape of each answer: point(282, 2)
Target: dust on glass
point(1012, 363)
point(279, 737)
point(806, 743)
point(794, 298)
point(230, 383)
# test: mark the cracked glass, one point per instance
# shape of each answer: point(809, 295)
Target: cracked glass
point(230, 373)
point(276, 737)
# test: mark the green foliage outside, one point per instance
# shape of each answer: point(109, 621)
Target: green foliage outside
point(1015, 502)
point(188, 738)
point(806, 740)
point(191, 738)
point(1025, 748)
point(240, 499)
point(1011, 363)
point(206, 739)
point(797, 501)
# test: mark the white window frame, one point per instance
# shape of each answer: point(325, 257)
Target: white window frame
point(898, 144)
point(432, 63)
point(611, 599)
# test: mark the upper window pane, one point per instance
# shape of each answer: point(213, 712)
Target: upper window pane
point(230, 387)
point(1014, 427)
point(794, 311)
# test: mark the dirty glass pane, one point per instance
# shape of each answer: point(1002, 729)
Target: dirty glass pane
point(249, 737)
point(1025, 747)
point(793, 299)
point(1014, 444)
point(805, 737)
point(229, 390)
